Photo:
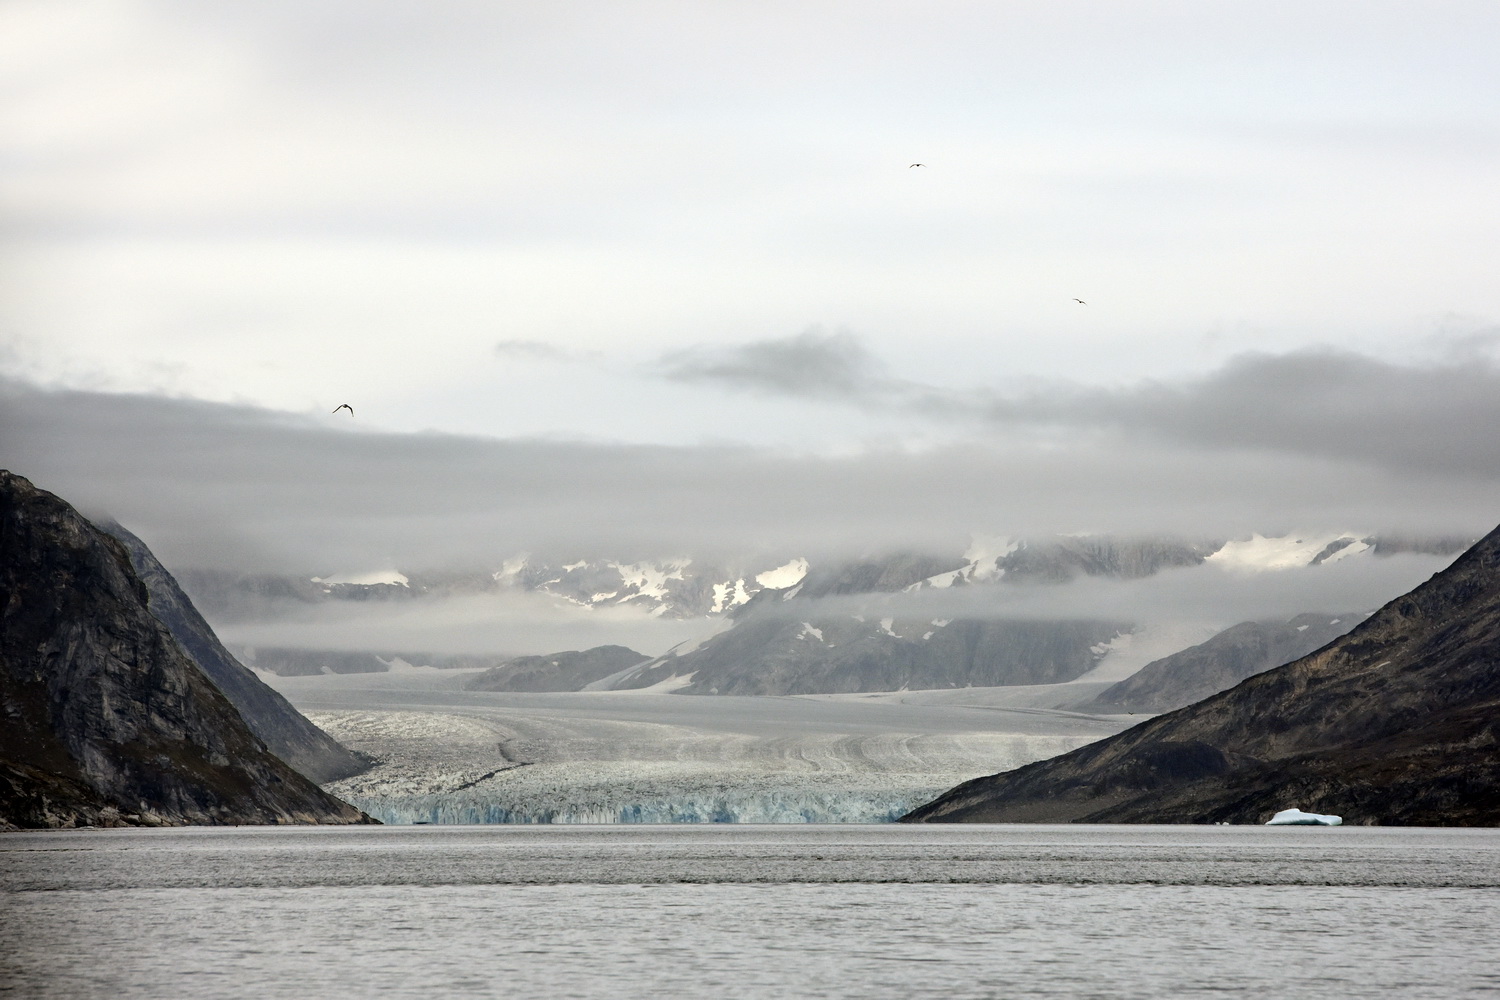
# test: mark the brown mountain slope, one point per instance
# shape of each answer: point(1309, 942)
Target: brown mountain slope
point(1397, 722)
point(106, 719)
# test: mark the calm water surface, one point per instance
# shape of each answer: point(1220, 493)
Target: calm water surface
point(887, 911)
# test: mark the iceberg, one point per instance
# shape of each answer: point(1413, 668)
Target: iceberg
point(1296, 817)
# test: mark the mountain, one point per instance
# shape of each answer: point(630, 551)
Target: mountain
point(568, 671)
point(283, 729)
point(671, 587)
point(1220, 663)
point(771, 654)
point(108, 721)
point(787, 636)
point(1397, 722)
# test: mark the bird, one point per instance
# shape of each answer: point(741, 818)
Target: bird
point(1079, 301)
point(917, 165)
point(344, 406)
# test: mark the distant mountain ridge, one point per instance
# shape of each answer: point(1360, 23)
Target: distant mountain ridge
point(1220, 663)
point(682, 587)
point(571, 670)
point(1396, 722)
point(108, 721)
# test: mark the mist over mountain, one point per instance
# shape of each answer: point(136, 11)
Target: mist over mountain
point(1001, 612)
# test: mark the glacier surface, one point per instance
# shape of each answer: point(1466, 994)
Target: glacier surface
point(617, 757)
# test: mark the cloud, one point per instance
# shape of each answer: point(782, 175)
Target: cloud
point(1315, 402)
point(240, 487)
point(1207, 594)
point(1324, 403)
point(539, 350)
point(505, 623)
point(813, 364)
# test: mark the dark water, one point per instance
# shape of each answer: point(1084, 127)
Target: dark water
point(886, 911)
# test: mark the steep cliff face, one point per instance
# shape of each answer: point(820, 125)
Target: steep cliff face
point(106, 719)
point(284, 730)
point(1236, 653)
point(1397, 722)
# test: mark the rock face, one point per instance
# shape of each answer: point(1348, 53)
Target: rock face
point(284, 731)
point(568, 671)
point(106, 719)
point(1397, 722)
point(1236, 653)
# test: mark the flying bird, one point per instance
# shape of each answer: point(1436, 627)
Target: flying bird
point(344, 406)
point(1079, 301)
point(917, 165)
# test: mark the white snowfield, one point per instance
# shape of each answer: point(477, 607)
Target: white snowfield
point(450, 756)
point(389, 577)
point(1261, 554)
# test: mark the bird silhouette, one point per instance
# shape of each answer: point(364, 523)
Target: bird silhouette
point(1079, 301)
point(917, 165)
point(344, 406)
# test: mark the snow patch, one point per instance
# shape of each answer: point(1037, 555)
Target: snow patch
point(386, 576)
point(984, 555)
point(809, 631)
point(783, 576)
point(729, 595)
point(1128, 652)
point(1352, 549)
point(885, 626)
point(1259, 554)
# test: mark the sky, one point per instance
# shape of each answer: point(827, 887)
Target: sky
point(652, 278)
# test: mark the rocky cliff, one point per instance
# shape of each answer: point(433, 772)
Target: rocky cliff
point(106, 719)
point(283, 729)
point(1397, 722)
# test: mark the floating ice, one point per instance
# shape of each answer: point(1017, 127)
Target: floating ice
point(1296, 817)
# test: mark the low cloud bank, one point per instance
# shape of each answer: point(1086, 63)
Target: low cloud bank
point(517, 623)
point(214, 485)
point(1433, 418)
point(1206, 594)
point(507, 623)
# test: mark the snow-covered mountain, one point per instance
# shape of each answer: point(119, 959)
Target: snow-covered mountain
point(780, 632)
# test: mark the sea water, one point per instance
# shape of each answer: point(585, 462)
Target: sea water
point(743, 911)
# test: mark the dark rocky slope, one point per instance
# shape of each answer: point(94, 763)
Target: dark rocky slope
point(106, 719)
point(282, 728)
point(1397, 722)
point(1220, 663)
point(568, 671)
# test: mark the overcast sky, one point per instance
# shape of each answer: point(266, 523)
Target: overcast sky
point(661, 276)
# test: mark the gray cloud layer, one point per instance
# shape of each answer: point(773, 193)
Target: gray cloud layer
point(1320, 403)
point(215, 485)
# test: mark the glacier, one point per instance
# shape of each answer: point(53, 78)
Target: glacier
point(457, 757)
